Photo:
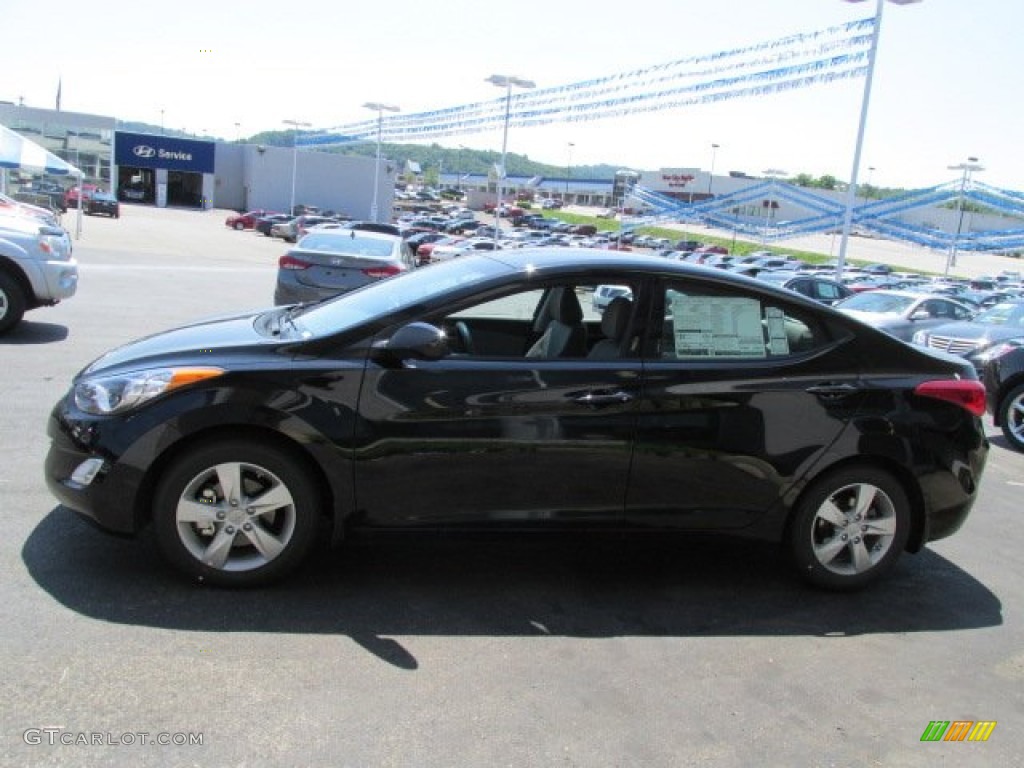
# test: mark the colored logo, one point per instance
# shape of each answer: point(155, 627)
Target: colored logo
point(958, 730)
point(141, 150)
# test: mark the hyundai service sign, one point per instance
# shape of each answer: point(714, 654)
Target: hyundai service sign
point(143, 150)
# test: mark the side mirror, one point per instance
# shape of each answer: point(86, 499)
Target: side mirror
point(420, 341)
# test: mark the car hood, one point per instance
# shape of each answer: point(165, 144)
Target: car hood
point(194, 344)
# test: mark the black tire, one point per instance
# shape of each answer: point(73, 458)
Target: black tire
point(260, 543)
point(849, 528)
point(12, 302)
point(1011, 417)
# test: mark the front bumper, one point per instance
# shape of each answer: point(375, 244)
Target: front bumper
point(110, 499)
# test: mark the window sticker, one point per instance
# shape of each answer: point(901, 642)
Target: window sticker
point(718, 327)
point(778, 339)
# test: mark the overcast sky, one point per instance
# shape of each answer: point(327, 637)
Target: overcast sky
point(946, 81)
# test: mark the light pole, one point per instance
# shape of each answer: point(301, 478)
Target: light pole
point(458, 171)
point(711, 175)
point(568, 172)
point(967, 168)
point(851, 189)
point(238, 132)
point(380, 109)
point(295, 124)
point(506, 82)
point(774, 174)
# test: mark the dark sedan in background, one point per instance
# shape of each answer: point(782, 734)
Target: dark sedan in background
point(102, 204)
point(478, 393)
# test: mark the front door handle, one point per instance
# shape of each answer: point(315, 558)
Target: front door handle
point(603, 397)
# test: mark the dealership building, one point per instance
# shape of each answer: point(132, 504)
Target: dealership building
point(160, 170)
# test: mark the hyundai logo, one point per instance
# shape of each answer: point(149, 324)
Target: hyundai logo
point(143, 151)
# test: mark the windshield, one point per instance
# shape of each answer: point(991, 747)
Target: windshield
point(348, 243)
point(406, 290)
point(875, 301)
point(1003, 314)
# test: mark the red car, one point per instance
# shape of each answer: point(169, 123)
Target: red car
point(71, 196)
point(246, 220)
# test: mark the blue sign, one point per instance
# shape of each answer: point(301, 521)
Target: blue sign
point(142, 150)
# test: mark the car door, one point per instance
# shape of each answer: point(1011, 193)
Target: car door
point(486, 435)
point(743, 393)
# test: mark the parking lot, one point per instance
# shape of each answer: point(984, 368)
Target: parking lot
point(442, 651)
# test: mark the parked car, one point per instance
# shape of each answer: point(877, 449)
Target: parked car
point(264, 224)
point(822, 289)
point(605, 294)
point(974, 337)
point(72, 195)
point(36, 267)
point(476, 393)
point(246, 220)
point(902, 313)
point(102, 204)
point(325, 263)
point(290, 231)
point(1003, 374)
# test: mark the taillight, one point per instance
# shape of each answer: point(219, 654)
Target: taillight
point(967, 393)
point(379, 272)
point(290, 262)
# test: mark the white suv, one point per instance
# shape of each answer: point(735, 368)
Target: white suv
point(36, 267)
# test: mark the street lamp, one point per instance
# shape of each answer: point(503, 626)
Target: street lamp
point(458, 170)
point(971, 165)
point(770, 205)
point(506, 82)
point(711, 175)
point(380, 109)
point(295, 124)
point(568, 172)
point(851, 189)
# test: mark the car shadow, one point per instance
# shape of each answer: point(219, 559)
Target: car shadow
point(591, 585)
point(28, 332)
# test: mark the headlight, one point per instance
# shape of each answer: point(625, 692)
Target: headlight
point(104, 395)
point(921, 338)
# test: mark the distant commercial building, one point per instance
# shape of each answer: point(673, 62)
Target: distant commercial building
point(155, 169)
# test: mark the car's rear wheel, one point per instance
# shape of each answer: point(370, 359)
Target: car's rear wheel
point(239, 226)
point(849, 528)
point(236, 513)
point(12, 302)
point(1011, 417)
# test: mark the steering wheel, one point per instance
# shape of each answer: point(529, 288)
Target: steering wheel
point(465, 337)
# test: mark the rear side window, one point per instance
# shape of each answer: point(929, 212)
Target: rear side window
point(703, 323)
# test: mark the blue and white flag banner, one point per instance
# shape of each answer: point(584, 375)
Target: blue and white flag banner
point(797, 61)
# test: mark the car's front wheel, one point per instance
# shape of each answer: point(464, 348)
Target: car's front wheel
point(239, 226)
point(849, 528)
point(12, 302)
point(236, 513)
point(1011, 417)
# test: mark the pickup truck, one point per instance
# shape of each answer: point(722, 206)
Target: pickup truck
point(36, 266)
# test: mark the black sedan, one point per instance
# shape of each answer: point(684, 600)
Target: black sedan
point(1004, 381)
point(102, 204)
point(479, 393)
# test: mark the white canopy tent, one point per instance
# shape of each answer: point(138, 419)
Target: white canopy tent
point(19, 153)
